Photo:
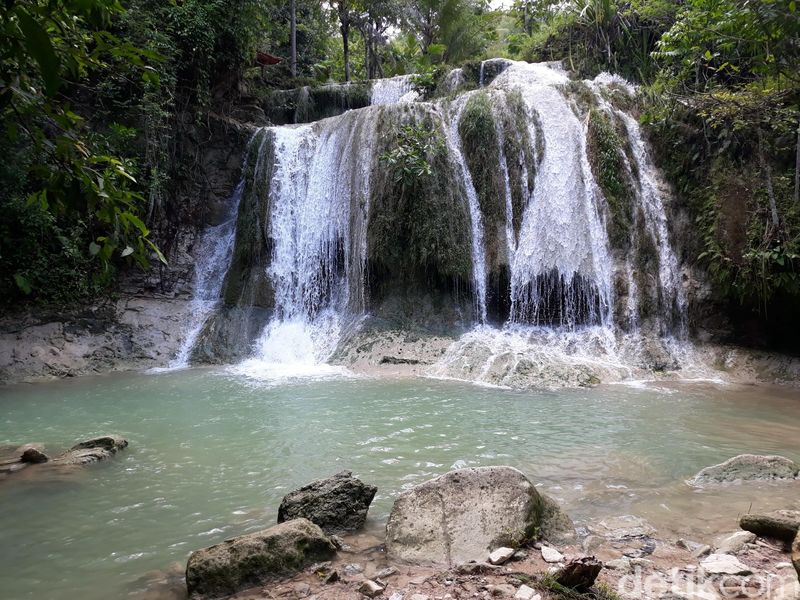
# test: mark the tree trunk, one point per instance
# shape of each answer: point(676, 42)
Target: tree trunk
point(797, 168)
point(345, 29)
point(367, 67)
point(293, 63)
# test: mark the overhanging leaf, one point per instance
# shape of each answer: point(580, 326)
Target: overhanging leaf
point(39, 46)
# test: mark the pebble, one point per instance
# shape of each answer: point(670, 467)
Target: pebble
point(370, 588)
point(724, 564)
point(384, 573)
point(551, 555)
point(501, 555)
point(353, 569)
point(526, 593)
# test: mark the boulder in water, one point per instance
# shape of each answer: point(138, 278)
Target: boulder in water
point(33, 456)
point(338, 503)
point(254, 559)
point(747, 467)
point(780, 524)
point(93, 450)
point(464, 514)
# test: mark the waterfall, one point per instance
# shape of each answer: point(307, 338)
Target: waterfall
point(538, 233)
point(476, 219)
point(393, 90)
point(213, 257)
point(651, 199)
point(561, 273)
point(318, 201)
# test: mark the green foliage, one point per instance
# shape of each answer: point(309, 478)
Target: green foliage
point(448, 31)
point(560, 592)
point(605, 151)
point(410, 160)
point(90, 99)
point(731, 41)
point(67, 172)
point(599, 35)
point(479, 138)
point(418, 221)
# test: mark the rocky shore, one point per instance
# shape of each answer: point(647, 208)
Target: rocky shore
point(488, 533)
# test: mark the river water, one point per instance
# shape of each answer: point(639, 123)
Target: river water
point(212, 452)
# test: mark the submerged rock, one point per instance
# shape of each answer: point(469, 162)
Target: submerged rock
point(94, 450)
point(33, 456)
point(462, 515)
point(256, 558)
point(624, 527)
point(780, 524)
point(338, 503)
point(83, 453)
point(747, 467)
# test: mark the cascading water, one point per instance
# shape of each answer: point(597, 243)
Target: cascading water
point(476, 219)
point(318, 201)
point(651, 198)
point(213, 253)
point(561, 273)
point(547, 253)
point(393, 90)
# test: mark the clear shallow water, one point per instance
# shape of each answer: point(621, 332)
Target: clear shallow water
point(212, 453)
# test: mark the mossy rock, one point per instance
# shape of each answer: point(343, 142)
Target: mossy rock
point(424, 225)
point(312, 103)
point(255, 559)
point(481, 148)
point(606, 157)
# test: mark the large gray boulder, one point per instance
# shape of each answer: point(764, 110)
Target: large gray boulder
point(93, 450)
point(780, 524)
point(257, 558)
point(465, 514)
point(747, 467)
point(337, 504)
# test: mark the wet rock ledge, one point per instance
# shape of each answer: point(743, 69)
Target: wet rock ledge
point(82, 453)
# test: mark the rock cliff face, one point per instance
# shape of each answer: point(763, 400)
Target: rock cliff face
point(145, 325)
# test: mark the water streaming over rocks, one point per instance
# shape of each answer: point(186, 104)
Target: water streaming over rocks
point(392, 90)
point(561, 270)
point(543, 271)
point(213, 253)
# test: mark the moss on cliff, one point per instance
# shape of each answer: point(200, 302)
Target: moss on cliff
point(306, 104)
point(418, 223)
point(519, 152)
point(605, 149)
point(481, 147)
